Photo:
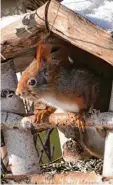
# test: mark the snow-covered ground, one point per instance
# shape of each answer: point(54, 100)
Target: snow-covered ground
point(99, 12)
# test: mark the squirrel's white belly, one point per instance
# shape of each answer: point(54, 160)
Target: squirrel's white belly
point(49, 100)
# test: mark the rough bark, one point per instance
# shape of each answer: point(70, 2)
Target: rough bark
point(22, 155)
point(65, 178)
point(55, 120)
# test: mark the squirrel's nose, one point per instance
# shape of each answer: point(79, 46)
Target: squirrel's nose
point(18, 92)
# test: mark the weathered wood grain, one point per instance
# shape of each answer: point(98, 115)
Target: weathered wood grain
point(26, 32)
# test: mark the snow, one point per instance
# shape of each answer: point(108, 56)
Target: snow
point(5, 21)
point(99, 12)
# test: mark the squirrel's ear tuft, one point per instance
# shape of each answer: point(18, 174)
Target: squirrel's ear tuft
point(42, 53)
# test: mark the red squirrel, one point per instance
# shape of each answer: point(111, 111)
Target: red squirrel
point(61, 86)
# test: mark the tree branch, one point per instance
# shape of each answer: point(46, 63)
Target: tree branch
point(64, 178)
point(11, 120)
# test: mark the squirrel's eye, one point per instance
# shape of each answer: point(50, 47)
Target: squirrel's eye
point(32, 82)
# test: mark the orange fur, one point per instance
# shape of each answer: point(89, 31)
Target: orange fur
point(43, 52)
point(70, 89)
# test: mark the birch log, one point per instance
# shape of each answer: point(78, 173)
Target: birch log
point(55, 120)
point(108, 154)
point(22, 155)
point(75, 29)
point(64, 178)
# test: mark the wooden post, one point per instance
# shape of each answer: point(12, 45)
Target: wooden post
point(22, 155)
point(111, 100)
point(108, 154)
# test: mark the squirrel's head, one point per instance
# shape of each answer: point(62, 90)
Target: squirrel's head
point(35, 78)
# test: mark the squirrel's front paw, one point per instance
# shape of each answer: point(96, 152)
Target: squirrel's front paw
point(80, 122)
point(40, 115)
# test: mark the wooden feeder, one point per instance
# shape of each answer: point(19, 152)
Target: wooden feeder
point(86, 43)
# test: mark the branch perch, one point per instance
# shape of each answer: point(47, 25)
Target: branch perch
point(97, 120)
point(11, 120)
